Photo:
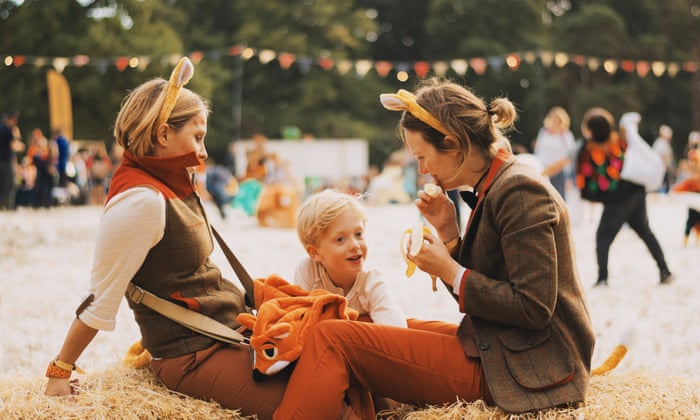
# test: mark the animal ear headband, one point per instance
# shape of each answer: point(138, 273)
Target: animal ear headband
point(182, 73)
point(404, 100)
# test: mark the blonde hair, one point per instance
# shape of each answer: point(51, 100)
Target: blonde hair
point(322, 209)
point(133, 128)
point(557, 117)
point(464, 114)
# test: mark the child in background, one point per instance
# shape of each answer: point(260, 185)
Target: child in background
point(331, 227)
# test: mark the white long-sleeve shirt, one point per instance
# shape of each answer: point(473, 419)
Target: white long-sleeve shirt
point(368, 295)
point(132, 223)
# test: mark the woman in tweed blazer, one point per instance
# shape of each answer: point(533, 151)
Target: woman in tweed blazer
point(525, 342)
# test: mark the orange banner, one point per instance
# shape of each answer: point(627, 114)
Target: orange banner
point(60, 107)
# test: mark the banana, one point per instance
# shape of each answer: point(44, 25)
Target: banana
point(432, 189)
point(416, 234)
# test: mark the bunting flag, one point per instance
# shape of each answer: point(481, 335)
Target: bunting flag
point(383, 68)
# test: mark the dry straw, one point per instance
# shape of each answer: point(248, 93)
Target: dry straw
point(116, 393)
point(124, 393)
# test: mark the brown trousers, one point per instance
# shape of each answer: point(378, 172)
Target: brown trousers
point(423, 364)
point(224, 374)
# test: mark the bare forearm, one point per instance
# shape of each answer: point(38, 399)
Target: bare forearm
point(78, 337)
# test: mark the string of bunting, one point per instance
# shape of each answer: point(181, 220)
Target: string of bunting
point(361, 67)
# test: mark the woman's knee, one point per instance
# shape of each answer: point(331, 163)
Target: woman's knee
point(332, 333)
point(327, 331)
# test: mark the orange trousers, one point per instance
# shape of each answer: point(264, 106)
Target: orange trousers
point(344, 360)
point(224, 374)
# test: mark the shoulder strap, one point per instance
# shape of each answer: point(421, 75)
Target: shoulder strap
point(191, 319)
point(238, 268)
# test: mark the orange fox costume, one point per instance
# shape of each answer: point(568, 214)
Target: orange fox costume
point(286, 313)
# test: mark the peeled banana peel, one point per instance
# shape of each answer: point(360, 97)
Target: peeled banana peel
point(416, 234)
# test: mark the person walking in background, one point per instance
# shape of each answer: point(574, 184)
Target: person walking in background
point(525, 342)
point(154, 234)
point(63, 147)
point(99, 169)
point(221, 185)
point(81, 179)
point(331, 228)
point(662, 147)
point(230, 158)
point(44, 154)
point(555, 147)
point(689, 181)
point(28, 171)
point(35, 142)
point(10, 144)
point(627, 202)
point(279, 198)
point(690, 164)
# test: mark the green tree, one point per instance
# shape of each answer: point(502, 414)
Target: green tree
point(36, 29)
point(66, 29)
point(265, 96)
point(248, 96)
point(634, 30)
point(145, 30)
point(443, 30)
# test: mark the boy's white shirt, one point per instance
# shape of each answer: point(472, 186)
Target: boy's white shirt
point(132, 223)
point(368, 295)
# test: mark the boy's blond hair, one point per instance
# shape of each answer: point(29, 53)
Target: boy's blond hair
point(322, 209)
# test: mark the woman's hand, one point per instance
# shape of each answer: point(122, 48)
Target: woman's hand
point(434, 259)
point(440, 212)
point(59, 387)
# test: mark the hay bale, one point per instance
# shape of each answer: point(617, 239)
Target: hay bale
point(124, 393)
point(116, 393)
point(633, 395)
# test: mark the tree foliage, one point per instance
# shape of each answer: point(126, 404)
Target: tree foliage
point(249, 97)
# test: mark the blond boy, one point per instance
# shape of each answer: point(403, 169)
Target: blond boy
point(331, 227)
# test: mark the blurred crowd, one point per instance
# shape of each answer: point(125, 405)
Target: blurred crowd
point(42, 171)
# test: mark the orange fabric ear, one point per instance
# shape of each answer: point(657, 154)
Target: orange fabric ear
point(247, 320)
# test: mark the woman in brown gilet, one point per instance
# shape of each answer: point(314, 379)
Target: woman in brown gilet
point(154, 233)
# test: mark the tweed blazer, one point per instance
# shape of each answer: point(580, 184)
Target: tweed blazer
point(522, 297)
